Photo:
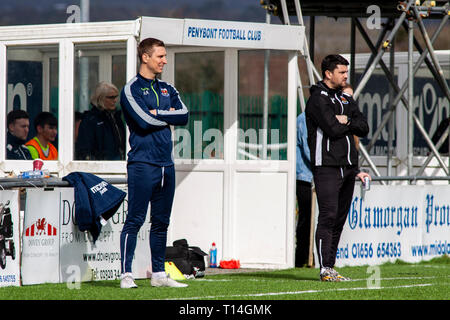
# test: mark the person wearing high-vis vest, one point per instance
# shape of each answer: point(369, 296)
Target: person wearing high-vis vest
point(41, 146)
point(150, 106)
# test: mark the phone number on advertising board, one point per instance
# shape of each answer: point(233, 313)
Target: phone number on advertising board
point(105, 274)
point(384, 249)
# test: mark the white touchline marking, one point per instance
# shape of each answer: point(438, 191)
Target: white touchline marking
point(301, 292)
point(315, 280)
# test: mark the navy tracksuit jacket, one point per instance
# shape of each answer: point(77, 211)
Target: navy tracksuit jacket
point(150, 168)
point(94, 198)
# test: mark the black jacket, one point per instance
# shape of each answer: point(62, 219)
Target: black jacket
point(16, 149)
point(332, 143)
point(101, 136)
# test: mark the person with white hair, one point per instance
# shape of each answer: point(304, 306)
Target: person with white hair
point(101, 134)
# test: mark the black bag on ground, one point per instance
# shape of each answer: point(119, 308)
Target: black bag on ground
point(189, 260)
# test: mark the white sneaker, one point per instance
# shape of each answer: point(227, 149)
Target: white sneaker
point(166, 282)
point(127, 281)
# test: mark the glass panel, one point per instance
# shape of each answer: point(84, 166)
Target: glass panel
point(119, 70)
point(32, 86)
point(99, 75)
point(199, 78)
point(252, 142)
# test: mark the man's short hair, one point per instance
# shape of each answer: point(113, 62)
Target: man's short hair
point(147, 45)
point(16, 114)
point(44, 118)
point(331, 62)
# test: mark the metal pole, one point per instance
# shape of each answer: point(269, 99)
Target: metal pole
point(312, 31)
point(432, 53)
point(10, 183)
point(266, 97)
point(84, 64)
point(441, 141)
point(377, 45)
point(53, 182)
point(369, 160)
point(352, 53)
point(284, 10)
point(391, 128)
point(309, 63)
point(410, 95)
point(404, 87)
point(427, 61)
point(84, 4)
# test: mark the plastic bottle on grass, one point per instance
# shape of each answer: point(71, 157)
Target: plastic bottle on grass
point(213, 256)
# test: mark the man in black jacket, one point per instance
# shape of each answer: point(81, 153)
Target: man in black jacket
point(332, 118)
point(18, 123)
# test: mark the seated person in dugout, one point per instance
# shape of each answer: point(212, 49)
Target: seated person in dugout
point(18, 123)
point(101, 135)
point(41, 146)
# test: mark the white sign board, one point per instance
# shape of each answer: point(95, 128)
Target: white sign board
point(219, 33)
point(9, 238)
point(62, 253)
point(40, 253)
point(409, 223)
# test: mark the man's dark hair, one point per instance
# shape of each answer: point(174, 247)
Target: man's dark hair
point(44, 118)
point(147, 45)
point(331, 61)
point(16, 114)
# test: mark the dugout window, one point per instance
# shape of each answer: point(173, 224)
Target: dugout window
point(254, 142)
point(32, 78)
point(99, 126)
point(199, 78)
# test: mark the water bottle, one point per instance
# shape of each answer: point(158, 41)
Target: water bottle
point(34, 174)
point(213, 256)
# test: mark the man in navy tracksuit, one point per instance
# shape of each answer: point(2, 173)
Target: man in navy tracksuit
point(332, 118)
point(150, 106)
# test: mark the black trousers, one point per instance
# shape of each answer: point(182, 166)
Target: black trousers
point(334, 187)
point(303, 230)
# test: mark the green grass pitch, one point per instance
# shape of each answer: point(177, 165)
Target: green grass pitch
point(428, 280)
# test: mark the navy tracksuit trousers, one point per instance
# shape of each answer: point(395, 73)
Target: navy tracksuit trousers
point(154, 184)
point(334, 188)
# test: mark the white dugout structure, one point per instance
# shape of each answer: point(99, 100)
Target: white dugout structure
point(244, 204)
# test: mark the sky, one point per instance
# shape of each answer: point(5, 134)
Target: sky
point(14, 12)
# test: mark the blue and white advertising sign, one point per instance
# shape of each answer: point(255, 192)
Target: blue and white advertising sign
point(409, 223)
